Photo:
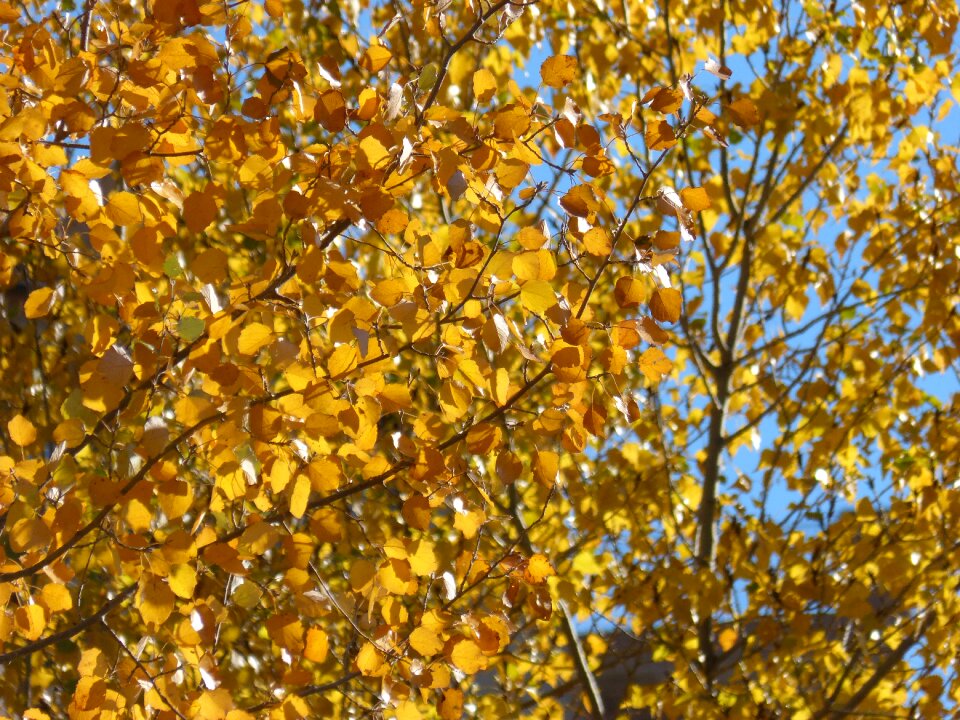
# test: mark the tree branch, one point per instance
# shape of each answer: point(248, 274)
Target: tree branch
point(40, 644)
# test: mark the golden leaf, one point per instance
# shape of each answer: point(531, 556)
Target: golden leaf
point(299, 496)
point(467, 656)
point(30, 621)
point(537, 296)
point(39, 303)
point(22, 432)
point(316, 646)
point(744, 112)
point(538, 569)
point(56, 598)
point(484, 85)
point(558, 70)
point(666, 304)
point(183, 580)
point(154, 600)
point(426, 641)
point(695, 199)
point(369, 661)
point(654, 364)
point(253, 337)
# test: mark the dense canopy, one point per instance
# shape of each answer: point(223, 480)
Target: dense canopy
point(479, 359)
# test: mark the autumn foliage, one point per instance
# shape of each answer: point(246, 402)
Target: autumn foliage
point(478, 359)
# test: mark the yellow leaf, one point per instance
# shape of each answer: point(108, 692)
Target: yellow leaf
point(123, 209)
point(56, 598)
point(666, 240)
point(484, 85)
point(21, 430)
point(199, 210)
point(70, 431)
point(558, 70)
point(423, 559)
point(300, 496)
point(469, 523)
point(727, 639)
point(660, 136)
point(393, 221)
point(89, 693)
point(154, 600)
point(286, 630)
point(451, 704)
point(39, 303)
point(538, 569)
point(494, 634)
point(531, 238)
point(665, 101)
point(375, 58)
point(501, 387)
point(695, 199)
point(744, 112)
point(183, 580)
point(426, 641)
point(253, 337)
point(30, 621)
point(247, 595)
point(342, 361)
point(29, 533)
point(597, 242)
point(666, 304)
point(579, 201)
point(211, 705)
point(255, 171)
point(629, 292)
point(467, 656)
point(537, 296)
point(546, 465)
point(534, 265)
point(407, 710)
point(654, 364)
point(274, 8)
point(369, 662)
point(317, 645)
point(417, 512)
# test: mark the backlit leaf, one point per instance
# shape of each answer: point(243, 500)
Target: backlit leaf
point(253, 337)
point(558, 70)
point(21, 430)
